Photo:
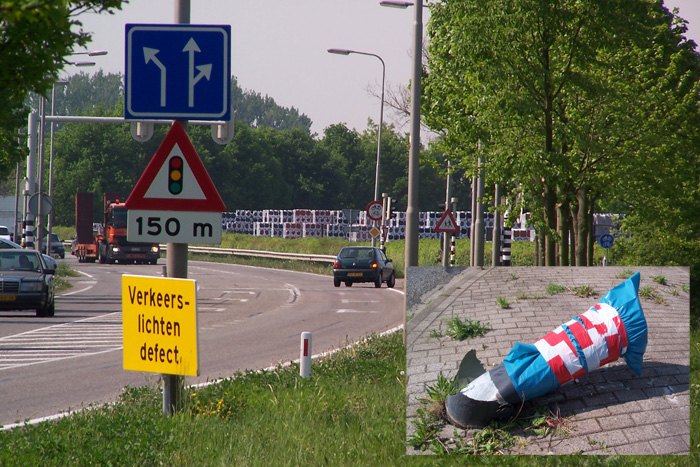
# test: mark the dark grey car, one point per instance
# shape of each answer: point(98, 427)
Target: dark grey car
point(26, 282)
point(363, 264)
point(56, 245)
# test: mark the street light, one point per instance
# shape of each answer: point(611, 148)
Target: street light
point(411, 252)
point(41, 150)
point(393, 4)
point(53, 112)
point(381, 119)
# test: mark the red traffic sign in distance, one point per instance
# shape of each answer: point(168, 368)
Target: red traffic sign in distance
point(447, 223)
point(175, 179)
point(374, 210)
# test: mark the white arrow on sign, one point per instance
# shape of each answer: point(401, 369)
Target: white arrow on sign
point(204, 70)
point(149, 55)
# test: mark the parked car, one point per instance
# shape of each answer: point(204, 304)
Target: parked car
point(5, 233)
point(26, 282)
point(56, 245)
point(10, 245)
point(363, 264)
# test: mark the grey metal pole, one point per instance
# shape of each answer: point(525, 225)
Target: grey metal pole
point(28, 230)
point(479, 227)
point(176, 265)
point(472, 238)
point(445, 237)
point(496, 239)
point(40, 191)
point(53, 110)
point(381, 121)
point(379, 146)
point(411, 244)
point(453, 251)
point(14, 229)
point(411, 253)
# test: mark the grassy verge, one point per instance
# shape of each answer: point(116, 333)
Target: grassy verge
point(303, 266)
point(61, 284)
point(350, 412)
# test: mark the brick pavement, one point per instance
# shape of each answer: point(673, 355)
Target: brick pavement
point(613, 411)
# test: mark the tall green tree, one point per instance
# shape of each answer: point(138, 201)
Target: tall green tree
point(541, 90)
point(36, 36)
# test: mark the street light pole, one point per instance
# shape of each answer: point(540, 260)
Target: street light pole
point(381, 119)
point(411, 253)
point(53, 112)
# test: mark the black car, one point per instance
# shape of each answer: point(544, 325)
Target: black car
point(363, 264)
point(26, 282)
point(57, 247)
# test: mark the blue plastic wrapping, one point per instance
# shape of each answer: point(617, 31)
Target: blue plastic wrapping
point(615, 327)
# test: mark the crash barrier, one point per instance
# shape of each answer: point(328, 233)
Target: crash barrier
point(613, 328)
point(260, 254)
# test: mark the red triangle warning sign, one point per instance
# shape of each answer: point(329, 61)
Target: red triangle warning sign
point(447, 223)
point(175, 179)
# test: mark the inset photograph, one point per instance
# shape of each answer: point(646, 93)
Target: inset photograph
point(548, 360)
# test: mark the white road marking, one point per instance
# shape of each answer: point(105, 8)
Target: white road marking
point(90, 336)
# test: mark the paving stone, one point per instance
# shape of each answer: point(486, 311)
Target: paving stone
point(653, 409)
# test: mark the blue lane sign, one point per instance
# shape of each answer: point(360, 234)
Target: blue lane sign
point(178, 71)
point(606, 241)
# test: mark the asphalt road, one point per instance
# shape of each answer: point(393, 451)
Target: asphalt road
point(248, 318)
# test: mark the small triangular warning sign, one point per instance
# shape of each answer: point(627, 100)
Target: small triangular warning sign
point(175, 179)
point(447, 223)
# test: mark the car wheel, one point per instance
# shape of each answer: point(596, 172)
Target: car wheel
point(51, 309)
point(391, 281)
point(348, 283)
point(336, 282)
point(47, 310)
point(378, 280)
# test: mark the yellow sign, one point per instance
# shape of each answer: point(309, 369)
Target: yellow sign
point(159, 319)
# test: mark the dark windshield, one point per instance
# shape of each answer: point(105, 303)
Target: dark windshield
point(119, 217)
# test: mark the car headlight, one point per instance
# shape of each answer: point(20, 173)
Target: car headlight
point(115, 249)
point(33, 286)
point(154, 249)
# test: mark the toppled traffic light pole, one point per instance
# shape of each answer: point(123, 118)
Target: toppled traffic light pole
point(615, 327)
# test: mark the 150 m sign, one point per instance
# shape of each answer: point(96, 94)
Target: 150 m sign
point(173, 226)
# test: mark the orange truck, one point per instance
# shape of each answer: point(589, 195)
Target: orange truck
point(106, 241)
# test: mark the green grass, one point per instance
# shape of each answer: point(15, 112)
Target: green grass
point(60, 283)
point(553, 289)
point(350, 412)
point(460, 330)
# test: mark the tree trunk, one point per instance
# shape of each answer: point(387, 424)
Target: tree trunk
point(550, 215)
point(591, 237)
point(583, 227)
point(563, 216)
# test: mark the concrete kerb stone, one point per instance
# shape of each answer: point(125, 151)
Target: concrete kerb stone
point(653, 410)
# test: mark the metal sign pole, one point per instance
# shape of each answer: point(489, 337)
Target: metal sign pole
point(176, 264)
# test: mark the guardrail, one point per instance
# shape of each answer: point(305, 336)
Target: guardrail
point(262, 254)
point(256, 253)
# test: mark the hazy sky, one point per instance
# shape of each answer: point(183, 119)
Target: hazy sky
point(279, 48)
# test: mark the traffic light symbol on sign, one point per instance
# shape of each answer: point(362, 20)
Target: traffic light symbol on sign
point(175, 175)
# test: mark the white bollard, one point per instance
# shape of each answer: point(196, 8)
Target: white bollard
point(305, 355)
